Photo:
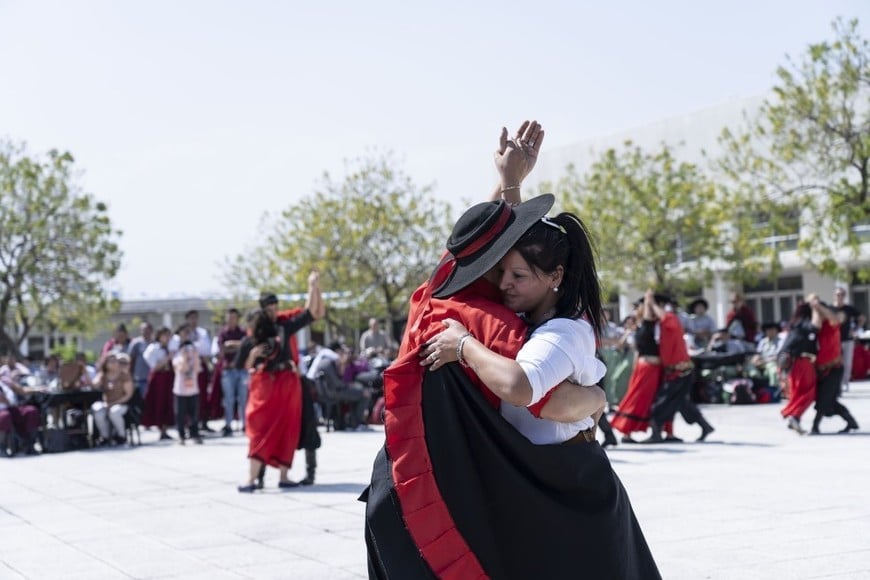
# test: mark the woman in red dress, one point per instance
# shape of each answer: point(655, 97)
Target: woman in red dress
point(274, 411)
point(159, 410)
point(634, 408)
point(802, 345)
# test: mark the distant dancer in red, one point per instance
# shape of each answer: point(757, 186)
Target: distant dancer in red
point(274, 411)
point(802, 346)
point(743, 314)
point(634, 408)
point(829, 370)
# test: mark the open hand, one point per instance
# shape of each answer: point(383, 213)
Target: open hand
point(515, 158)
point(441, 348)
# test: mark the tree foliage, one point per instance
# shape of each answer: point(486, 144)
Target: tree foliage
point(373, 234)
point(652, 216)
point(808, 149)
point(57, 248)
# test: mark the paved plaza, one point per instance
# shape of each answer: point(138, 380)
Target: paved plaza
point(755, 502)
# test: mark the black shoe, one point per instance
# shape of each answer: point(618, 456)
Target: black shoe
point(654, 438)
point(259, 483)
point(166, 437)
point(815, 431)
point(227, 431)
point(197, 440)
point(608, 442)
point(848, 428)
point(288, 484)
point(120, 440)
point(250, 488)
point(704, 432)
point(627, 440)
point(673, 439)
point(309, 478)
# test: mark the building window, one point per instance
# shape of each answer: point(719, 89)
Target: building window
point(774, 300)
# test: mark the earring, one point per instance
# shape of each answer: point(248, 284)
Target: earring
point(555, 289)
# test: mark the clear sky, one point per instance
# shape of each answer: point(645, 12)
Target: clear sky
point(193, 118)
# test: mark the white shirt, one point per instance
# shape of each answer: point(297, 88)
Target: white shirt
point(154, 354)
point(558, 350)
point(9, 394)
point(202, 341)
point(323, 356)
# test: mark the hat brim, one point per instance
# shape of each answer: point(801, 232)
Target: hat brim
point(469, 269)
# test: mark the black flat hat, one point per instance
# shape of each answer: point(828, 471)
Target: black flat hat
point(267, 298)
point(484, 234)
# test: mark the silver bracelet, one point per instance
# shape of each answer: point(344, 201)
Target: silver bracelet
point(459, 346)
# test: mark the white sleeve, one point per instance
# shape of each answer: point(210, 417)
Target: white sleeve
point(203, 342)
point(562, 349)
point(174, 343)
point(152, 355)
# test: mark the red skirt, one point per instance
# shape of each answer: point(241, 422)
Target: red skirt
point(860, 362)
point(214, 408)
point(802, 388)
point(273, 417)
point(633, 414)
point(159, 408)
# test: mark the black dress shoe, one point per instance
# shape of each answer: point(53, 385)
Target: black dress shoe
point(847, 429)
point(704, 433)
point(673, 439)
point(250, 488)
point(609, 441)
point(288, 484)
point(627, 440)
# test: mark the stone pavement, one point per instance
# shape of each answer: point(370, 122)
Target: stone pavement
point(755, 502)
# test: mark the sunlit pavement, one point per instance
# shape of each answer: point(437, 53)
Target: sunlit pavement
point(756, 501)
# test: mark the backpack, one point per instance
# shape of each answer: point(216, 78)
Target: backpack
point(741, 392)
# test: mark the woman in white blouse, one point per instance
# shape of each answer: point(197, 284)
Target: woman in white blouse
point(550, 278)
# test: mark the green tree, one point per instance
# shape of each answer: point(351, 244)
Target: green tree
point(653, 217)
point(57, 248)
point(808, 148)
point(373, 234)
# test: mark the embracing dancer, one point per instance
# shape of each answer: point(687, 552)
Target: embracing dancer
point(457, 491)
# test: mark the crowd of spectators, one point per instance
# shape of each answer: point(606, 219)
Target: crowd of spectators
point(181, 378)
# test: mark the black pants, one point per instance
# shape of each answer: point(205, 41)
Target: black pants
point(674, 397)
point(358, 400)
point(827, 397)
point(187, 408)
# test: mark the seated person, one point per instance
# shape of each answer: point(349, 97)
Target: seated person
point(768, 349)
point(701, 325)
point(722, 342)
point(88, 372)
point(17, 417)
point(13, 369)
point(50, 372)
point(327, 372)
point(117, 387)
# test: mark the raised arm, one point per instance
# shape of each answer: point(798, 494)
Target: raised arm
point(825, 313)
point(514, 160)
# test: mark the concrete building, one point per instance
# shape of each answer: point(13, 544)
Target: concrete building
point(692, 134)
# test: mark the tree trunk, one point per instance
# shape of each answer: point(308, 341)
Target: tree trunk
point(8, 343)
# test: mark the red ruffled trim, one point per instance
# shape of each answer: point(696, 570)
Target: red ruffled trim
point(423, 508)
